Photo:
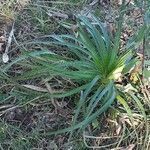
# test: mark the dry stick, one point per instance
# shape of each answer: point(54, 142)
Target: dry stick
point(144, 42)
point(58, 14)
point(9, 39)
point(9, 109)
point(54, 102)
point(5, 55)
point(94, 2)
point(143, 60)
point(128, 2)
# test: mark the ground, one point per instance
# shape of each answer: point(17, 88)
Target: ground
point(27, 120)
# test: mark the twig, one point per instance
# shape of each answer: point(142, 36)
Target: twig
point(128, 2)
point(9, 39)
point(9, 109)
point(143, 60)
point(143, 44)
point(94, 2)
point(54, 102)
point(5, 56)
point(58, 14)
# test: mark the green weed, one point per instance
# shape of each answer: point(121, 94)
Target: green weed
point(95, 65)
point(87, 62)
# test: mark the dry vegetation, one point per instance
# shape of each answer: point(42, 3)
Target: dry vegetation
point(48, 86)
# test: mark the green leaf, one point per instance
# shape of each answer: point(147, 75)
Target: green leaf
point(122, 101)
point(139, 104)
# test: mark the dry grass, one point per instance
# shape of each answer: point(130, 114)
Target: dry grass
point(25, 126)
